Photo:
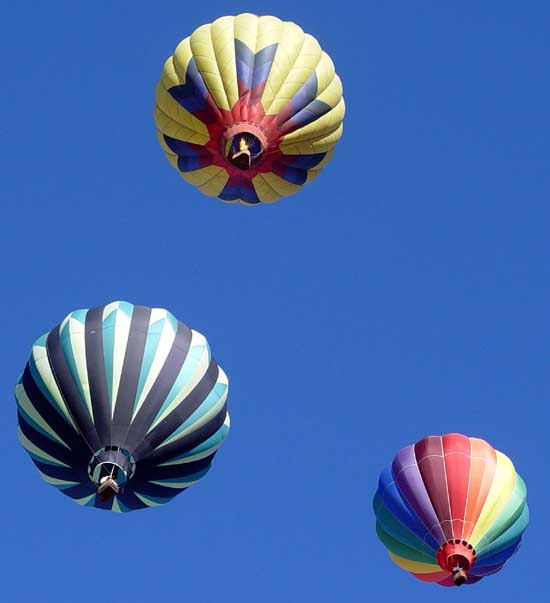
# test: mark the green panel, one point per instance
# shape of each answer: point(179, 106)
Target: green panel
point(397, 530)
point(507, 517)
point(402, 550)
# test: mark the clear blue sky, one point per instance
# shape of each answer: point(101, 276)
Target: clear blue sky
point(405, 292)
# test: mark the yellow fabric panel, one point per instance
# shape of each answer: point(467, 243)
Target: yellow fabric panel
point(264, 192)
point(210, 179)
point(272, 185)
point(316, 145)
point(502, 487)
point(223, 41)
point(180, 60)
point(326, 124)
point(258, 32)
point(292, 39)
point(205, 57)
point(325, 73)
point(332, 94)
point(315, 171)
point(196, 131)
point(172, 157)
point(269, 32)
point(311, 175)
point(246, 29)
point(305, 64)
point(169, 77)
point(172, 128)
point(415, 567)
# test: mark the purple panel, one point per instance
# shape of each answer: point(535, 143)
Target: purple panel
point(484, 571)
point(409, 481)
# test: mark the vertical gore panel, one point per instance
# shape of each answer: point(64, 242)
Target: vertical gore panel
point(96, 374)
point(409, 481)
point(482, 471)
point(69, 390)
point(429, 456)
point(456, 448)
point(160, 389)
point(130, 374)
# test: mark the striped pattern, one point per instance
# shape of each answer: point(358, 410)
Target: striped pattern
point(446, 488)
point(127, 376)
point(245, 71)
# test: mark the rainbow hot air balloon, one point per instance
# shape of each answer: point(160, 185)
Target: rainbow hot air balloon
point(451, 509)
point(122, 407)
point(249, 108)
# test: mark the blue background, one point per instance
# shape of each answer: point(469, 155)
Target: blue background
point(405, 292)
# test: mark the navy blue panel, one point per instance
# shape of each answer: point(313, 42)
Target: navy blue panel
point(183, 445)
point(181, 470)
point(231, 193)
point(311, 112)
point(180, 147)
point(156, 491)
point(81, 490)
point(304, 162)
point(191, 95)
point(69, 391)
point(52, 448)
point(500, 556)
point(131, 501)
point(129, 378)
point(51, 416)
point(181, 413)
point(66, 473)
point(190, 157)
point(97, 380)
point(159, 391)
point(294, 175)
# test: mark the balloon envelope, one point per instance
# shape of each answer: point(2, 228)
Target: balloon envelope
point(122, 407)
point(249, 108)
point(451, 509)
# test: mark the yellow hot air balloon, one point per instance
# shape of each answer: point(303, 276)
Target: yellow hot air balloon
point(249, 108)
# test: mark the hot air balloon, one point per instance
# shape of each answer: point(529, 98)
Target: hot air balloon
point(249, 108)
point(451, 509)
point(122, 407)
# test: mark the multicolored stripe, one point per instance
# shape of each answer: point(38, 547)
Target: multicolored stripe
point(125, 376)
point(445, 489)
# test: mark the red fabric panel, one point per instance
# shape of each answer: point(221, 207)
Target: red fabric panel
point(429, 457)
point(456, 448)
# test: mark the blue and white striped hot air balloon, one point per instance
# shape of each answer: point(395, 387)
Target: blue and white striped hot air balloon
point(122, 407)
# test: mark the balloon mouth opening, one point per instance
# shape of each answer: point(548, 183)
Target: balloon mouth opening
point(457, 557)
point(244, 145)
point(110, 469)
point(244, 151)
